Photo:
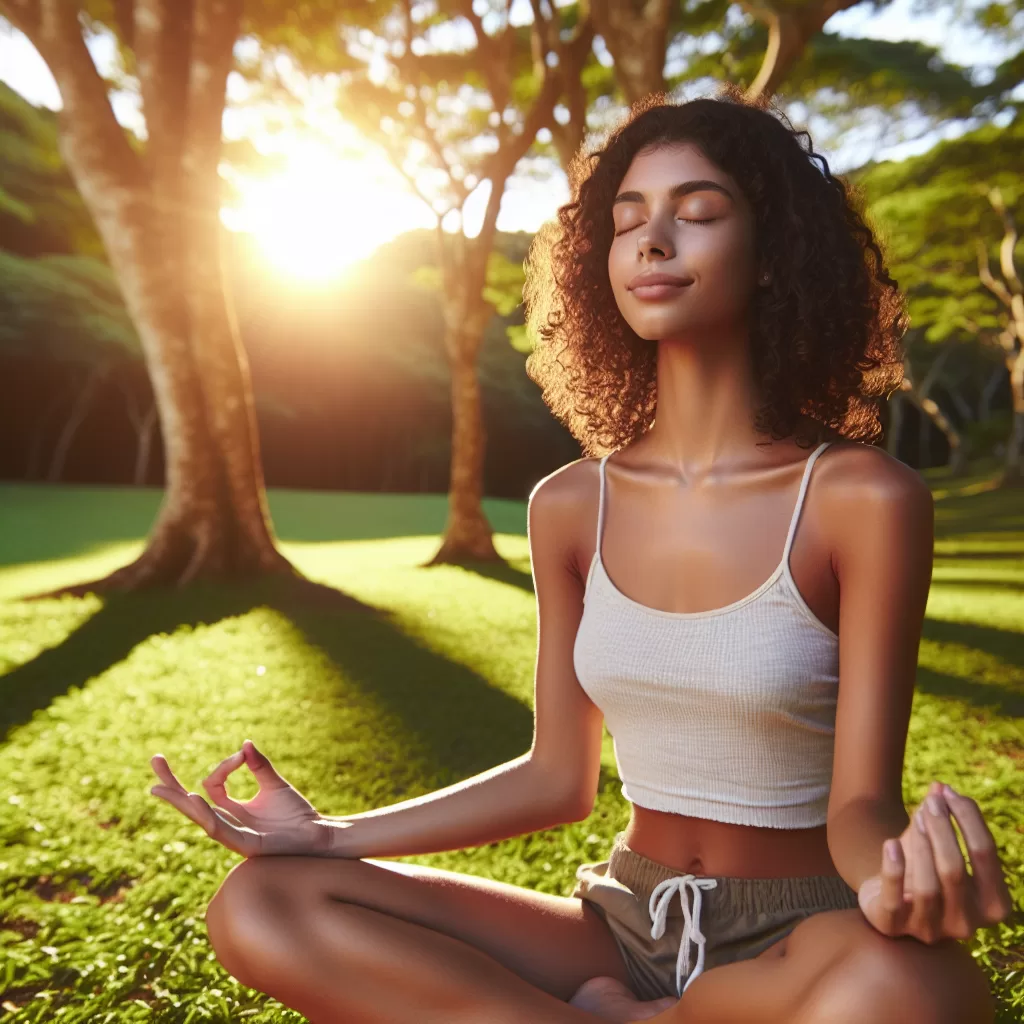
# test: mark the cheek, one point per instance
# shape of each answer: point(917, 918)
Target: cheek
point(622, 265)
point(722, 255)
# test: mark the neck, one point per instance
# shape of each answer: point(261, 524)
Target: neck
point(706, 400)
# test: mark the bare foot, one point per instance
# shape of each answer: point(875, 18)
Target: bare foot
point(611, 1000)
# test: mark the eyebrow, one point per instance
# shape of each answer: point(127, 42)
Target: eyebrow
point(682, 189)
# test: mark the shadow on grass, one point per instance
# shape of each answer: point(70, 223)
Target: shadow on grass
point(502, 572)
point(996, 585)
point(124, 621)
point(463, 723)
point(466, 724)
point(1005, 644)
point(1001, 699)
point(1004, 555)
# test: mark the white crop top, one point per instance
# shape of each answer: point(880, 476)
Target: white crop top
point(726, 714)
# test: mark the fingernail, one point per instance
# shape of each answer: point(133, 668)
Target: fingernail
point(919, 821)
point(934, 804)
point(949, 791)
point(890, 849)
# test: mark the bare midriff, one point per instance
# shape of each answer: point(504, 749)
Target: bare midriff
point(707, 848)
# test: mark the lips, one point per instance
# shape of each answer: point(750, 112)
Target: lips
point(650, 281)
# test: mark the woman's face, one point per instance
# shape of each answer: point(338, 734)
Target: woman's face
point(676, 213)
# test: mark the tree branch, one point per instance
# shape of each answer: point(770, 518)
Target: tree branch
point(91, 140)
point(23, 15)
point(1009, 243)
point(996, 287)
point(162, 31)
point(426, 133)
point(215, 26)
point(493, 63)
point(789, 31)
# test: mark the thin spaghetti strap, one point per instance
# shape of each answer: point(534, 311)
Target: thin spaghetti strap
point(800, 500)
point(600, 528)
point(600, 505)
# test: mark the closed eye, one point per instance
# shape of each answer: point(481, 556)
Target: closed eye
point(707, 220)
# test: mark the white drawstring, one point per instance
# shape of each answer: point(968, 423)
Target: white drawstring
point(658, 907)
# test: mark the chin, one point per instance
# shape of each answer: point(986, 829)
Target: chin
point(650, 329)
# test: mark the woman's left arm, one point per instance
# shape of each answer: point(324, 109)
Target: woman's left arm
point(881, 521)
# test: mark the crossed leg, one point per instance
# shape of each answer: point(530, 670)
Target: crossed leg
point(369, 941)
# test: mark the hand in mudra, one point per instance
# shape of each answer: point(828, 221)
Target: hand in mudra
point(926, 891)
point(277, 820)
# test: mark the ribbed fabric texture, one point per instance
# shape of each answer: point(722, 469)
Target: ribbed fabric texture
point(726, 714)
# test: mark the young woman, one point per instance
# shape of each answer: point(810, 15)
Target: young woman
point(744, 615)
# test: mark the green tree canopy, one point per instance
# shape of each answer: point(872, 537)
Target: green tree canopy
point(933, 209)
point(63, 308)
point(40, 208)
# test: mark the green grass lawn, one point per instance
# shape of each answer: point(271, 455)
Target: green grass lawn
point(103, 886)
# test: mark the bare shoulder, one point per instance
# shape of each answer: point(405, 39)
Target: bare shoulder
point(859, 472)
point(863, 489)
point(561, 507)
point(570, 489)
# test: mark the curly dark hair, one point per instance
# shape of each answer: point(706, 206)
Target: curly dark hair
point(825, 333)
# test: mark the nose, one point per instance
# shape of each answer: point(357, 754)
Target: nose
point(655, 246)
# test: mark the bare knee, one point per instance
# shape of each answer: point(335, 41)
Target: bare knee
point(238, 922)
point(893, 981)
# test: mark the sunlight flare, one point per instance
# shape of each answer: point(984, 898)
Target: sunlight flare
point(321, 213)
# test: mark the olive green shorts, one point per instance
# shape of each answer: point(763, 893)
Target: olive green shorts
point(670, 927)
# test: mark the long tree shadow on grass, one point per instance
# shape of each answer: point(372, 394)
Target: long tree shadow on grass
point(1004, 644)
point(502, 572)
point(462, 723)
point(1001, 699)
point(126, 620)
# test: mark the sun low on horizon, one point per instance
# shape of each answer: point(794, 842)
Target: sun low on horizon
point(321, 213)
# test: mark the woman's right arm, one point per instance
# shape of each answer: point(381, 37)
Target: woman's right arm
point(556, 780)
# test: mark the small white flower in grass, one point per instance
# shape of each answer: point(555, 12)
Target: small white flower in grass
point(261, 670)
point(14, 799)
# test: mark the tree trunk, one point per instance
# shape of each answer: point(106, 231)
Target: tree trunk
point(157, 218)
point(928, 408)
point(790, 28)
point(895, 428)
point(79, 408)
point(1014, 474)
point(988, 393)
point(636, 34)
point(467, 533)
point(34, 457)
point(209, 525)
point(144, 446)
point(961, 403)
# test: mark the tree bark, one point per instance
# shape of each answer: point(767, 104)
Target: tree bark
point(636, 34)
point(158, 219)
point(143, 446)
point(790, 28)
point(467, 533)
